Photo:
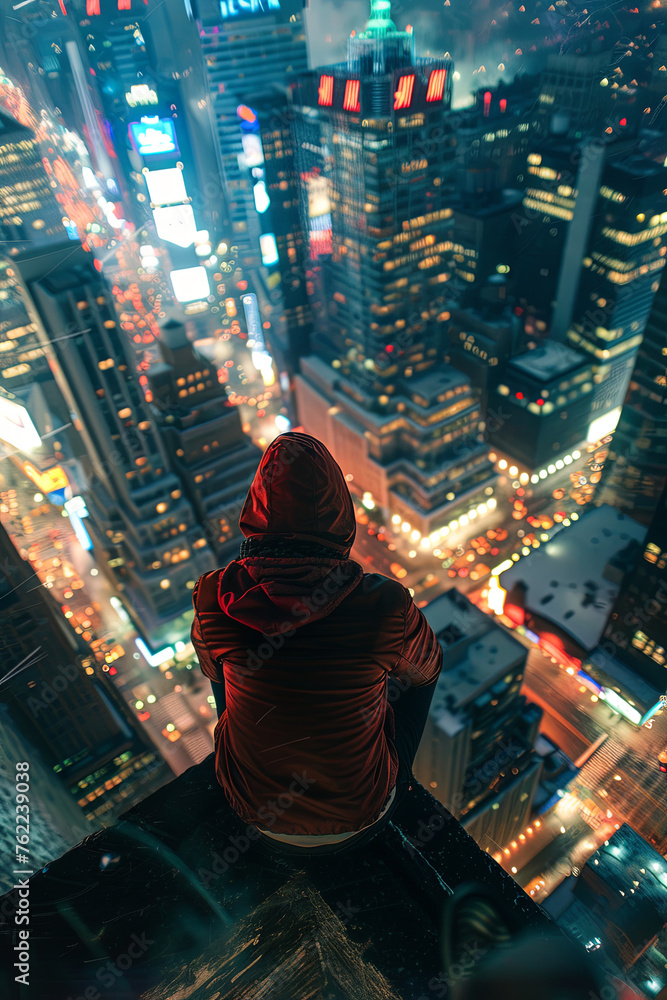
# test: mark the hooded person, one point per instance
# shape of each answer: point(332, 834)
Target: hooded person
point(300, 645)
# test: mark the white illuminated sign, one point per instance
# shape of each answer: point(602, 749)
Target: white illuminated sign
point(166, 187)
point(176, 224)
point(190, 283)
point(606, 424)
point(16, 427)
point(140, 93)
point(620, 705)
point(155, 659)
point(269, 249)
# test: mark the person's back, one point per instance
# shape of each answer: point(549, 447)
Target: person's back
point(304, 643)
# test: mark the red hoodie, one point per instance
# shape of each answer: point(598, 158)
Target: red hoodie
point(305, 647)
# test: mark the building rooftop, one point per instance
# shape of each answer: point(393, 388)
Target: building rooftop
point(548, 361)
point(477, 653)
point(564, 579)
point(173, 901)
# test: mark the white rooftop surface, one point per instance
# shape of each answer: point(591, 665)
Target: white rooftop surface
point(557, 574)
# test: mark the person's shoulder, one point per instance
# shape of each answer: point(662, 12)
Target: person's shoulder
point(388, 595)
point(206, 591)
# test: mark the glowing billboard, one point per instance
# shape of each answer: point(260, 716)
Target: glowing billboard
point(140, 93)
point(176, 224)
point(190, 283)
point(253, 321)
point(16, 427)
point(165, 187)
point(47, 482)
point(76, 508)
point(242, 8)
point(269, 249)
point(153, 136)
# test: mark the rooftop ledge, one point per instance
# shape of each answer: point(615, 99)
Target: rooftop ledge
point(173, 902)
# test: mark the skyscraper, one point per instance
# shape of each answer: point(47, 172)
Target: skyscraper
point(29, 213)
point(80, 726)
point(621, 272)
point(476, 754)
point(636, 469)
point(377, 168)
point(636, 633)
point(145, 529)
point(215, 460)
point(249, 49)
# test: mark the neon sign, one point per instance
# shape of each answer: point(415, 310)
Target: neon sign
point(403, 95)
point(154, 136)
point(325, 91)
point(237, 8)
point(351, 99)
point(140, 93)
point(436, 85)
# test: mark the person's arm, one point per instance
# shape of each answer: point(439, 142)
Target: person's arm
point(420, 658)
point(207, 664)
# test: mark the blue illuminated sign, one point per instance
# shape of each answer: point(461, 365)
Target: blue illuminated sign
point(154, 136)
point(239, 8)
point(253, 321)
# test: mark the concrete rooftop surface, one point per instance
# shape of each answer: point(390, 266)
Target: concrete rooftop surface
point(174, 903)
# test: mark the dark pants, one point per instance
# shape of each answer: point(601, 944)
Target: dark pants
point(410, 706)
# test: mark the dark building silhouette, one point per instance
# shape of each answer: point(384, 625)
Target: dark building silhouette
point(79, 724)
point(213, 457)
point(636, 469)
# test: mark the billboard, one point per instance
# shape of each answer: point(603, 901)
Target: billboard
point(253, 320)
point(16, 427)
point(244, 8)
point(190, 283)
point(176, 224)
point(165, 187)
point(153, 136)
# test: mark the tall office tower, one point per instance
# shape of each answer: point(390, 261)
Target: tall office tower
point(494, 135)
point(287, 276)
point(618, 903)
point(376, 159)
point(215, 460)
point(56, 821)
point(485, 230)
point(636, 634)
point(476, 754)
point(620, 273)
point(80, 725)
point(249, 49)
point(635, 472)
point(142, 66)
point(543, 403)
point(29, 213)
point(561, 187)
point(577, 96)
point(144, 528)
point(483, 335)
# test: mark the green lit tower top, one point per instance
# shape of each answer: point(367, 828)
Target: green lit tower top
point(380, 47)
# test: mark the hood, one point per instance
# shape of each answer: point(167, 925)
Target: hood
point(298, 492)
